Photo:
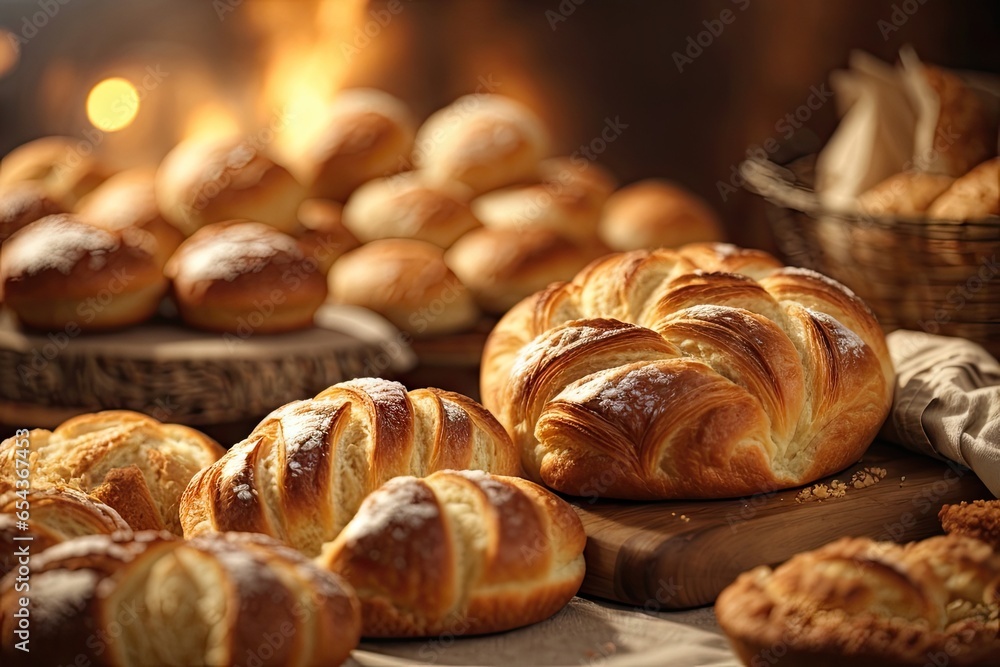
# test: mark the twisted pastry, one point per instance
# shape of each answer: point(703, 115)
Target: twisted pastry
point(134, 463)
point(459, 552)
point(303, 472)
point(153, 599)
point(864, 603)
point(699, 373)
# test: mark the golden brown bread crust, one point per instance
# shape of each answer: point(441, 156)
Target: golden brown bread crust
point(408, 283)
point(96, 453)
point(655, 213)
point(154, 599)
point(128, 200)
point(57, 514)
point(861, 602)
point(201, 182)
point(62, 165)
point(302, 473)
point(974, 196)
point(687, 380)
point(979, 519)
point(482, 141)
point(23, 203)
point(245, 278)
point(502, 266)
point(906, 194)
point(322, 233)
point(368, 134)
point(61, 273)
point(405, 207)
point(962, 114)
point(460, 552)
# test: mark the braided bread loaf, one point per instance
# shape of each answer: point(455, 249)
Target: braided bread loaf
point(704, 372)
point(132, 462)
point(459, 552)
point(860, 602)
point(303, 472)
point(156, 600)
point(56, 515)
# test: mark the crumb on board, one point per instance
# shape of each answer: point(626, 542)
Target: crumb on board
point(868, 476)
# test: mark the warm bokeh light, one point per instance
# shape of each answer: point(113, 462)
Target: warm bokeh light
point(10, 51)
point(112, 104)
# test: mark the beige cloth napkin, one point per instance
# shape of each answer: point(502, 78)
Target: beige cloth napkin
point(947, 401)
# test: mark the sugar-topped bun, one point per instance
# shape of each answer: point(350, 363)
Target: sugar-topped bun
point(503, 266)
point(483, 141)
point(367, 133)
point(205, 181)
point(23, 203)
point(408, 283)
point(128, 199)
point(60, 272)
point(245, 278)
point(568, 199)
point(406, 207)
point(322, 233)
point(657, 214)
point(65, 167)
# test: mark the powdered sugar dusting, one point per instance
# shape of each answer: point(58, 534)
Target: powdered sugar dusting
point(644, 387)
point(235, 250)
point(389, 397)
point(403, 505)
point(498, 492)
point(57, 242)
point(556, 342)
point(849, 345)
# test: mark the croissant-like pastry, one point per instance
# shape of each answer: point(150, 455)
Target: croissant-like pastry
point(705, 372)
point(134, 463)
point(866, 603)
point(303, 472)
point(153, 599)
point(460, 552)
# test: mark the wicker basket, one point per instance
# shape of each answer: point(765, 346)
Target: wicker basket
point(934, 276)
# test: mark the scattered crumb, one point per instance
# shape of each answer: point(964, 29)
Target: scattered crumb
point(685, 519)
point(864, 478)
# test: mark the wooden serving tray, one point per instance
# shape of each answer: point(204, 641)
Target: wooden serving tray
point(680, 554)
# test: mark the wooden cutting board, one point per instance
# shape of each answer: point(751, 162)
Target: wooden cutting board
point(680, 554)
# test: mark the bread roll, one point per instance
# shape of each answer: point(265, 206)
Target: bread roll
point(568, 200)
point(979, 519)
point(408, 283)
point(907, 194)
point(684, 380)
point(23, 203)
point(245, 278)
point(61, 273)
point(502, 266)
point(868, 603)
point(128, 200)
point(482, 141)
point(129, 461)
point(322, 233)
point(657, 214)
point(205, 181)
point(56, 515)
point(366, 134)
point(66, 168)
point(233, 599)
point(404, 207)
point(459, 552)
point(973, 196)
point(303, 472)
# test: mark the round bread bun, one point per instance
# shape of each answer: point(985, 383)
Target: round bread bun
point(655, 213)
point(245, 278)
point(906, 194)
point(503, 266)
point(405, 207)
point(128, 199)
point(971, 197)
point(482, 141)
point(569, 200)
point(322, 234)
point(408, 283)
point(23, 203)
point(367, 134)
point(65, 167)
point(62, 273)
point(202, 181)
